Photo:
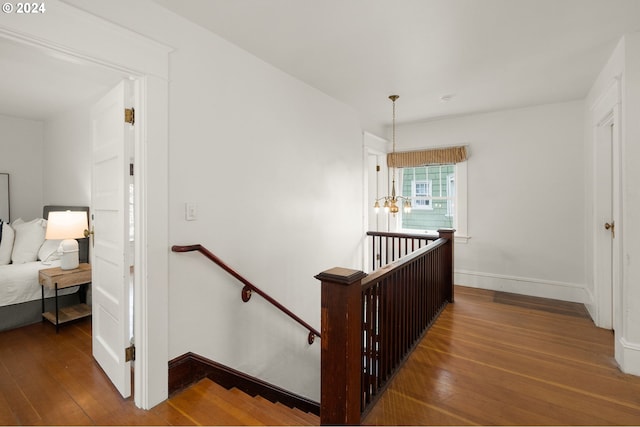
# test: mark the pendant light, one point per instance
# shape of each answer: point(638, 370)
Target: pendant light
point(391, 202)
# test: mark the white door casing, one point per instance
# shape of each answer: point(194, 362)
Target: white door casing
point(604, 215)
point(111, 139)
point(607, 207)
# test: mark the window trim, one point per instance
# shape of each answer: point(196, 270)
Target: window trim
point(451, 188)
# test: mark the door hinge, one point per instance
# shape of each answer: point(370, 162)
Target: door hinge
point(130, 354)
point(130, 169)
point(130, 115)
point(377, 168)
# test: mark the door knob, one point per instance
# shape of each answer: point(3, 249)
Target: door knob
point(611, 227)
point(91, 233)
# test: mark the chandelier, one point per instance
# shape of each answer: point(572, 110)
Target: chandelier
point(391, 202)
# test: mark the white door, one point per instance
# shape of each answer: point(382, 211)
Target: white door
point(111, 138)
point(605, 224)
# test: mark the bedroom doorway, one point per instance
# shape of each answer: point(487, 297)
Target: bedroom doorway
point(85, 39)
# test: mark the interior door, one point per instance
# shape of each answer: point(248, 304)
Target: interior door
point(605, 224)
point(111, 138)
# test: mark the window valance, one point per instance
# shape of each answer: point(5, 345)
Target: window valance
point(436, 156)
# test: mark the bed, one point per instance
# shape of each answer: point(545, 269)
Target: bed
point(20, 292)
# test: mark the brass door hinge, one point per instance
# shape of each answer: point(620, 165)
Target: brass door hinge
point(130, 354)
point(129, 115)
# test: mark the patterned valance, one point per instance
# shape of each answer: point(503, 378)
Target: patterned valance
point(436, 156)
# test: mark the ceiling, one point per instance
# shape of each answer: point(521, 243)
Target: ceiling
point(38, 83)
point(484, 55)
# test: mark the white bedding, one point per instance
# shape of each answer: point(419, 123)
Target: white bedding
point(19, 283)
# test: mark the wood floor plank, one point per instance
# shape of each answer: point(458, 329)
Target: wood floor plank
point(493, 359)
point(534, 343)
point(173, 415)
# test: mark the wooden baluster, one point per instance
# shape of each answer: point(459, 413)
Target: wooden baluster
point(447, 262)
point(376, 341)
point(341, 350)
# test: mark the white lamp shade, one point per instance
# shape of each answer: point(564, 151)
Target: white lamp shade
point(66, 225)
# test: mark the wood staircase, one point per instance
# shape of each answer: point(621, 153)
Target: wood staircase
point(207, 403)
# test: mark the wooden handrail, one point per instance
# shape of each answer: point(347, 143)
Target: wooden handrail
point(423, 236)
point(248, 287)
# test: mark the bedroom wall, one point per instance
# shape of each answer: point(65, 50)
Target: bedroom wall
point(274, 168)
point(67, 148)
point(21, 147)
point(526, 201)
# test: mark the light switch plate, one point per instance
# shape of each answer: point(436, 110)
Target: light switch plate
point(190, 211)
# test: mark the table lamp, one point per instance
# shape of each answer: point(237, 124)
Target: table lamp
point(67, 225)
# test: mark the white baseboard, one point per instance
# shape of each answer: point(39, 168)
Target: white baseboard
point(628, 356)
point(590, 304)
point(524, 285)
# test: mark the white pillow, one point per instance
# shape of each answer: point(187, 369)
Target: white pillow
point(49, 250)
point(6, 245)
point(29, 238)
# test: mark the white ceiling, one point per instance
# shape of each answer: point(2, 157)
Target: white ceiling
point(485, 54)
point(37, 83)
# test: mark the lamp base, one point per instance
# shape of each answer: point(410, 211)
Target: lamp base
point(69, 250)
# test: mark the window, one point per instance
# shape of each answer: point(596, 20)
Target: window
point(434, 197)
point(421, 194)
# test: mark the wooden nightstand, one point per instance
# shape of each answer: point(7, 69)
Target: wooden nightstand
point(57, 278)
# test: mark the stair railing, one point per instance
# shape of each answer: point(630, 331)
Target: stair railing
point(371, 323)
point(249, 287)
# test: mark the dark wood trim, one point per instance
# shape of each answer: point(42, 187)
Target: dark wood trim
point(341, 350)
point(190, 368)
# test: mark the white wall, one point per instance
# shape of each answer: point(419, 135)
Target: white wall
point(526, 203)
point(21, 156)
point(67, 150)
point(48, 161)
point(275, 169)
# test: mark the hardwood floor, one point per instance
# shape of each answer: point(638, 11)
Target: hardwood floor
point(490, 359)
point(49, 379)
point(502, 359)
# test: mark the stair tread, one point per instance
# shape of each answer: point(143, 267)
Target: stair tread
point(212, 404)
point(294, 414)
point(265, 408)
point(308, 417)
point(206, 403)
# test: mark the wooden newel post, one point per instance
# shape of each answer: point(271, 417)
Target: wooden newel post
point(447, 233)
point(341, 348)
